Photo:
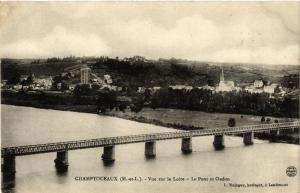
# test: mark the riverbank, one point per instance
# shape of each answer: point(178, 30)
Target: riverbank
point(171, 118)
point(189, 120)
point(72, 108)
point(198, 119)
point(55, 101)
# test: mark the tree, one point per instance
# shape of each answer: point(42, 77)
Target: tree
point(12, 73)
point(136, 107)
point(30, 79)
point(122, 107)
point(107, 100)
point(64, 86)
point(95, 87)
point(82, 90)
point(263, 119)
point(138, 104)
point(231, 122)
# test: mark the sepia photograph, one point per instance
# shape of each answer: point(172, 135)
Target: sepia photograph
point(150, 96)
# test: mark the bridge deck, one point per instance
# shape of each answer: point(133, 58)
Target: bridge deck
point(109, 141)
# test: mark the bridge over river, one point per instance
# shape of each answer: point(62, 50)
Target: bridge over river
point(9, 154)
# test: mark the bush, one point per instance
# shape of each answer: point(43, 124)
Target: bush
point(82, 90)
point(122, 107)
point(231, 122)
point(107, 100)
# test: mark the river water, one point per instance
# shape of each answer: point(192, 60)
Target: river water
point(262, 163)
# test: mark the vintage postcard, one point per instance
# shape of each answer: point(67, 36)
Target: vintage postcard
point(150, 97)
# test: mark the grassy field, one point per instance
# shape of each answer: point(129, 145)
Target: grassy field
point(194, 118)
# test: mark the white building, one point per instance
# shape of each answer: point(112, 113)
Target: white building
point(72, 86)
point(84, 72)
point(181, 87)
point(46, 82)
point(253, 89)
point(156, 88)
point(107, 79)
point(224, 86)
point(17, 87)
point(207, 87)
point(23, 77)
point(258, 84)
point(270, 89)
point(141, 89)
point(109, 87)
point(119, 88)
point(59, 85)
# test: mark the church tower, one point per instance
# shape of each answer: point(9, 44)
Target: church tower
point(222, 76)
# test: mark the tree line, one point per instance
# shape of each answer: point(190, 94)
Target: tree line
point(227, 102)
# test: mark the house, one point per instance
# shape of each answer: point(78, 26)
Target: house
point(206, 87)
point(155, 89)
point(252, 89)
point(23, 77)
point(72, 86)
point(59, 86)
point(258, 84)
point(119, 88)
point(141, 89)
point(270, 89)
point(109, 87)
point(3, 83)
point(17, 87)
point(45, 82)
point(107, 79)
point(181, 87)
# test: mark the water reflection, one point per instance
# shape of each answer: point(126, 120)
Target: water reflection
point(108, 163)
point(8, 183)
point(62, 172)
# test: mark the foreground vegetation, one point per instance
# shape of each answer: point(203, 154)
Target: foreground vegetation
point(243, 102)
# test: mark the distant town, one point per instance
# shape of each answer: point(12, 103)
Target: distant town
point(83, 72)
point(137, 82)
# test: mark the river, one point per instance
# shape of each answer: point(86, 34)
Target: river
point(261, 163)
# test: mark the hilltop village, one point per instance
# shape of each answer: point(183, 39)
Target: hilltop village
point(86, 72)
point(136, 82)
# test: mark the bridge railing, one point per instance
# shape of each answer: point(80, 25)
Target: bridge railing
point(100, 142)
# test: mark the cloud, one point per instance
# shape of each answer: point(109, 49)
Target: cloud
point(59, 42)
point(189, 35)
point(263, 55)
point(225, 32)
point(246, 38)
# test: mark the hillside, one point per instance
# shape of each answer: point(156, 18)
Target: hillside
point(141, 72)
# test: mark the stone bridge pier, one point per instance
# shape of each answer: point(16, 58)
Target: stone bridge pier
point(186, 145)
point(108, 154)
point(150, 149)
point(248, 138)
point(61, 161)
point(8, 168)
point(8, 172)
point(219, 142)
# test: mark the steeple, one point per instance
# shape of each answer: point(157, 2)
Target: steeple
point(222, 76)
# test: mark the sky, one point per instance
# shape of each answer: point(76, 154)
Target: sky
point(239, 32)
